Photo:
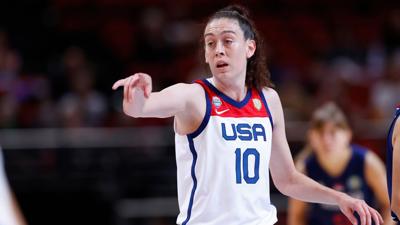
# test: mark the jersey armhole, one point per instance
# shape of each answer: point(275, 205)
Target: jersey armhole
point(206, 117)
point(261, 93)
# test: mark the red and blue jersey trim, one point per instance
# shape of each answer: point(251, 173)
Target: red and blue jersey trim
point(253, 105)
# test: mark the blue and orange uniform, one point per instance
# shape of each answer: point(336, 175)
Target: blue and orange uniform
point(389, 160)
point(351, 181)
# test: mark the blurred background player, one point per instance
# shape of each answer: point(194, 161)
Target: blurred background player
point(393, 165)
point(10, 213)
point(332, 160)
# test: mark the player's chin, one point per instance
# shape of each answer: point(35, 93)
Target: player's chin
point(222, 74)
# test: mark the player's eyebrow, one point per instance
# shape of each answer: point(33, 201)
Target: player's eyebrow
point(223, 32)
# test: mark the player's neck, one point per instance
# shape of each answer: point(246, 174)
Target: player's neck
point(334, 163)
point(235, 89)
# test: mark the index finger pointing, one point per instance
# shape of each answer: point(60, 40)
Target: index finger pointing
point(118, 84)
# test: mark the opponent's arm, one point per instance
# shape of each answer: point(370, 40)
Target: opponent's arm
point(396, 169)
point(375, 175)
point(295, 184)
point(297, 210)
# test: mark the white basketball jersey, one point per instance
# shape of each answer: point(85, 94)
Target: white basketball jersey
point(223, 167)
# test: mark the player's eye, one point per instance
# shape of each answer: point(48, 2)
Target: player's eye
point(228, 41)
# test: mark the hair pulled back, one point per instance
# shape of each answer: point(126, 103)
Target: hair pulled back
point(257, 74)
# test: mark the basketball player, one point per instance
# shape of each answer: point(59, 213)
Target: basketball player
point(230, 132)
point(334, 162)
point(9, 210)
point(393, 166)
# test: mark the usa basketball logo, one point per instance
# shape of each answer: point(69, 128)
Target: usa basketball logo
point(216, 101)
point(257, 103)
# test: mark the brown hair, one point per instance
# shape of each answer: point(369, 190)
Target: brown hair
point(257, 74)
point(329, 113)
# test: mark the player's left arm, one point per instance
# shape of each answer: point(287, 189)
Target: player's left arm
point(375, 175)
point(396, 169)
point(295, 184)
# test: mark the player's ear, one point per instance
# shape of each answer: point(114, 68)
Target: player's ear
point(251, 48)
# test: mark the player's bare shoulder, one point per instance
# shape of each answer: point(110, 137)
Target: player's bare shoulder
point(189, 120)
point(192, 94)
point(273, 100)
point(271, 95)
point(194, 88)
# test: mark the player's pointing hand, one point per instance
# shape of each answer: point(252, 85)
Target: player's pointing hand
point(138, 80)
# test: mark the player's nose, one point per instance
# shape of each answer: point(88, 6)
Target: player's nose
point(219, 49)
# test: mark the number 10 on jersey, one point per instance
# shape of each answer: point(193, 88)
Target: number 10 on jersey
point(242, 165)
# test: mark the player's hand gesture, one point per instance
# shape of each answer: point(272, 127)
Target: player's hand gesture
point(349, 206)
point(131, 83)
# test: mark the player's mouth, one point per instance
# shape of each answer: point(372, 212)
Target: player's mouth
point(221, 64)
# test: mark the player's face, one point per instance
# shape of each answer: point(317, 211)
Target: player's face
point(329, 138)
point(226, 50)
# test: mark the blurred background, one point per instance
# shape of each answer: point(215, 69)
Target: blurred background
point(73, 157)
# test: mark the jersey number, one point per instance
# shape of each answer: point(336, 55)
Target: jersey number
point(243, 165)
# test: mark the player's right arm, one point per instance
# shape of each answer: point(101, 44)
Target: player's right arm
point(396, 169)
point(140, 101)
point(185, 102)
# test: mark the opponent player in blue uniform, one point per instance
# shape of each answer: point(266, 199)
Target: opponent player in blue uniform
point(332, 160)
point(230, 132)
point(393, 165)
